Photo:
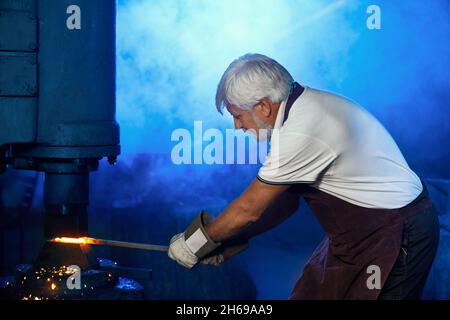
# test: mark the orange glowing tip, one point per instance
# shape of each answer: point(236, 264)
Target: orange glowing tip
point(81, 240)
point(114, 243)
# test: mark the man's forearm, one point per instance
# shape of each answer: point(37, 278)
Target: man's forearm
point(245, 219)
point(278, 212)
point(231, 221)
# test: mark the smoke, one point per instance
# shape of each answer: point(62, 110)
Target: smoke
point(171, 55)
point(151, 181)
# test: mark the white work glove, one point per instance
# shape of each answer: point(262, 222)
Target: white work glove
point(194, 244)
point(180, 251)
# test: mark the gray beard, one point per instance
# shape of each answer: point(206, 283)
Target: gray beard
point(264, 129)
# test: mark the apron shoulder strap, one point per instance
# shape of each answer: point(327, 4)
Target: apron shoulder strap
point(296, 91)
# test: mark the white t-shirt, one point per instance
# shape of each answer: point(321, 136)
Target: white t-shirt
point(339, 148)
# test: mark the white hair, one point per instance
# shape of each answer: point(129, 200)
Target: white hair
point(251, 78)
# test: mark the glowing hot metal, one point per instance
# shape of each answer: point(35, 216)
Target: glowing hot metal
point(114, 243)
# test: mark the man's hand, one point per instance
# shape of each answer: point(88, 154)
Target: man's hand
point(188, 247)
point(198, 242)
point(225, 252)
point(180, 252)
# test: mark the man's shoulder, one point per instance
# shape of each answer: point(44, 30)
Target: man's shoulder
point(324, 98)
point(327, 118)
point(319, 106)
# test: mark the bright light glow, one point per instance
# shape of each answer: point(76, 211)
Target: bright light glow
point(70, 240)
point(81, 240)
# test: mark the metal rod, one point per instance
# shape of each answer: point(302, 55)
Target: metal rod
point(134, 245)
point(113, 243)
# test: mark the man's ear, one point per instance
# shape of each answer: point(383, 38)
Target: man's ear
point(265, 107)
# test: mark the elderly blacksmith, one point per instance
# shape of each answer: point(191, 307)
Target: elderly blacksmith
point(325, 148)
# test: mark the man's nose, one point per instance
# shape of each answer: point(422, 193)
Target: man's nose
point(237, 124)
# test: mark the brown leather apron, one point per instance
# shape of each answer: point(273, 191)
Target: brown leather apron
point(356, 238)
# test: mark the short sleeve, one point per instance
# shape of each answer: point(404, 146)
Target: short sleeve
point(295, 158)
